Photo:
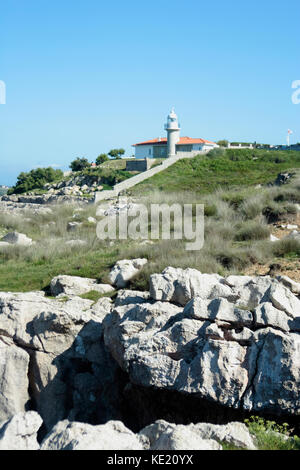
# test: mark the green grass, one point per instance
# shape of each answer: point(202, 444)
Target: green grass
point(236, 235)
point(95, 296)
point(235, 168)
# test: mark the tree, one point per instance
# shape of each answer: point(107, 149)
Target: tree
point(116, 153)
point(35, 179)
point(101, 158)
point(223, 143)
point(79, 164)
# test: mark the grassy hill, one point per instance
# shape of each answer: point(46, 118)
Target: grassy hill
point(228, 169)
point(239, 220)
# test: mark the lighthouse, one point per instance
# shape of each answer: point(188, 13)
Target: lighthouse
point(173, 129)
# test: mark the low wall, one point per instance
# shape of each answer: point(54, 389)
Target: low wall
point(130, 182)
point(138, 165)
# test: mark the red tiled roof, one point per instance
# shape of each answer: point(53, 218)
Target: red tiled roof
point(182, 141)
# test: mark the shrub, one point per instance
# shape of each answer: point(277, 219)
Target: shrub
point(252, 231)
point(79, 164)
point(35, 179)
point(272, 436)
point(210, 210)
point(103, 157)
point(216, 153)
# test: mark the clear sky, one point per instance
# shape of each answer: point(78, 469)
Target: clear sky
point(85, 76)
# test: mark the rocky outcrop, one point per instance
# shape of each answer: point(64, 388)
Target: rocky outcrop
point(20, 432)
point(53, 359)
point(195, 345)
point(80, 436)
point(74, 285)
point(162, 435)
point(125, 270)
point(232, 341)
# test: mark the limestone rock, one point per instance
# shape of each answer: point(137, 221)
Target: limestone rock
point(125, 270)
point(71, 373)
point(290, 284)
point(202, 436)
point(164, 436)
point(243, 358)
point(74, 285)
point(14, 384)
point(20, 432)
point(283, 299)
point(126, 297)
point(80, 436)
point(181, 285)
point(15, 238)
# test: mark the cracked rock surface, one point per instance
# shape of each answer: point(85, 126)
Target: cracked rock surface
point(234, 341)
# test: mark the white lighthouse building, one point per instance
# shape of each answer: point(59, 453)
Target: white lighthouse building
point(173, 129)
point(172, 145)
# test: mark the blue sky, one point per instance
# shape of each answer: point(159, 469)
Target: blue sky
point(85, 76)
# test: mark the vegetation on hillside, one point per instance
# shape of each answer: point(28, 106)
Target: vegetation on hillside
point(221, 169)
point(35, 179)
point(236, 238)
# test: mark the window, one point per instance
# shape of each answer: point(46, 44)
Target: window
point(149, 151)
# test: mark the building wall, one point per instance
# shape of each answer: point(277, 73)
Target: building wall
point(160, 151)
point(144, 151)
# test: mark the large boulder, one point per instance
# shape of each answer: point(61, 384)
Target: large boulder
point(74, 285)
point(80, 436)
point(53, 349)
point(240, 353)
point(162, 435)
point(20, 432)
point(181, 285)
point(125, 270)
point(14, 383)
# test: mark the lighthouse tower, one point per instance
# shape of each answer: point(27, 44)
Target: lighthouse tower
point(173, 129)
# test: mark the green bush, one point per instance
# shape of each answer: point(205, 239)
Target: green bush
point(103, 157)
point(252, 231)
point(272, 436)
point(79, 164)
point(216, 153)
point(35, 179)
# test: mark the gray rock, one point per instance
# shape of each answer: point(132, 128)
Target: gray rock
point(125, 270)
point(74, 285)
point(267, 315)
point(20, 432)
point(15, 238)
point(217, 310)
point(80, 436)
point(181, 285)
point(71, 373)
point(283, 299)
point(212, 348)
point(164, 436)
point(126, 297)
point(290, 284)
point(14, 363)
